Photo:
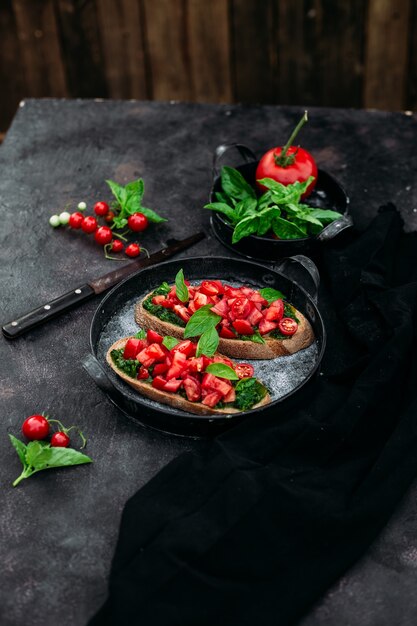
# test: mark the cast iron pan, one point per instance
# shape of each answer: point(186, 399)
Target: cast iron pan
point(288, 378)
point(328, 194)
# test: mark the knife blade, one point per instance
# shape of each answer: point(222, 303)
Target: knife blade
point(94, 287)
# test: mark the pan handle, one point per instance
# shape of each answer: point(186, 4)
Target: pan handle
point(97, 373)
point(245, 152)
point(336, 227)
point(302, 270)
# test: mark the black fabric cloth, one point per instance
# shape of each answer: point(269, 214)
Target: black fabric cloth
point(256, 528)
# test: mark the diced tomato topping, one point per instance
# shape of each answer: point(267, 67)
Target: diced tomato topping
point(212, 399)
point(160, 368)
point(240, 308)
point(144, 358)
point(226, 333)
point(254, 316)
point(173, 293)
point(223, 359)
point(275, 311)
point(158, 299)
point(207, 360)
point(191, 306)
point(244, 370)
point(210, 288)
point(132, 347)
point(256, 297)
point(247, 291)
point(265, 326)
point(196, 364)
point(231, 396)
point(172, 385)
point(232, 292)
point(182, 312)
point(156, 351)
point(154, 337)
point(243, 327)
point(167, 304)
point(288, 326)
point(192, 389)
point(186, 346)
point(214, 383)
point(178, 363)
point(159, 382)
point(200, 300)
point(221, 308)
point(142, 373)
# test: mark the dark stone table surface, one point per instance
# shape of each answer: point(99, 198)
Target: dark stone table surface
point(58, 529)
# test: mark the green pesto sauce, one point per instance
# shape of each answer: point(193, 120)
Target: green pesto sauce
point(249, 391)
point(165, 315)
point(127, 366)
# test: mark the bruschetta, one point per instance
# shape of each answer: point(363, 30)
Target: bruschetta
point(167, 370)
point(251, 323)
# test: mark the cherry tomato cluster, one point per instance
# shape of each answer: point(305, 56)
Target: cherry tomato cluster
point(38, 427)
point(104, 235)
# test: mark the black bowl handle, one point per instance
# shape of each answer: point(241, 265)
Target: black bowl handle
point(336, 227)
point(245, 152)
point(303, 271)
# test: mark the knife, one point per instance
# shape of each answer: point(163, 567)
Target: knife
point(73, 298)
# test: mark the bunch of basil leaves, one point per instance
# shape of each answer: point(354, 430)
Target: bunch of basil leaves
point(128, 201)
point(279, 209)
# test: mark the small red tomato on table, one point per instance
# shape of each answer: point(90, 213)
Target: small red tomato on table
point(137, 222)
point(288, 164)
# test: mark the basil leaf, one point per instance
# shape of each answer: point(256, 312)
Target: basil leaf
point(224, 199)
point(180, 287)
point(256, 337)
point(200, 321)
point(285, 229)
point(137, 188)
point(20, 448)
point(235, 185)
point(61, 457)
point(36, 455)
point(222, 370)
point(324, 214)
point(265, 219)
point(247, 226)
point(221, 207)
point(118, 191)
point(208, 342)
point(119, 222)
point(170, 342)
point(141, 334)
point(280, 190)
point(271, 294)
point(151, 215)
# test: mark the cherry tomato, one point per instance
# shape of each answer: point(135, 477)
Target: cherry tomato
point(89, 224)
point(137, 222)
point(60, 440)
point(244, 370)
point(75, 220)
point(133, 249)
point(109, 217)
point(35, 427)
point(287, 326)
point(101, 208)
point(288, 164)
point(103, 235)
point(116, 245)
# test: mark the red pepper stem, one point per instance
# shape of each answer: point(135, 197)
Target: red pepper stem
point(294, 134)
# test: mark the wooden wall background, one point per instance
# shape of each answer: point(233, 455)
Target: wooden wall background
point(350, 53)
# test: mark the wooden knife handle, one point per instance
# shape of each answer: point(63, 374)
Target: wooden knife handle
point(42, 314)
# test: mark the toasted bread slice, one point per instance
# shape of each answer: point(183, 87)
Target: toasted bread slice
point(171, 399)
point(237, 348)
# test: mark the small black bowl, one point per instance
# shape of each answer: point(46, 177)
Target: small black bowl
point(327, 194)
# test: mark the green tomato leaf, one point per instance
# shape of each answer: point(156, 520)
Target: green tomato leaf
point(222, 370)
point(200, 321)
point(235, 185)
point(221, 207)
point(180, 287)
point(20, 448)
point(208, 342)
point(247, 226)
point(170, 342)
point(271, 294)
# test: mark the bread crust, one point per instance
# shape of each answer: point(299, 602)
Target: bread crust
point(172, 399)
point(237, 348)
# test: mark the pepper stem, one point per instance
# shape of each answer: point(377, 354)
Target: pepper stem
point(282, 159)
